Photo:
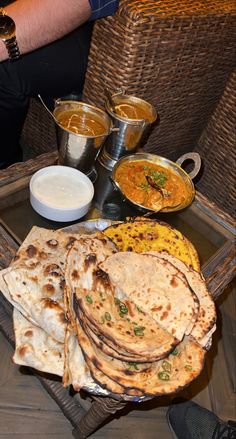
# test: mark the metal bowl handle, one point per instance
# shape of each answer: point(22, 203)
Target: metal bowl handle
point(195, 157)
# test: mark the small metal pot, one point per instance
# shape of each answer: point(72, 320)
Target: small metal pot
point(77, 150)
point(175, 166)
point(128, 133)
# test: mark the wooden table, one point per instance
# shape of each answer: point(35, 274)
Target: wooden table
point(211, 231)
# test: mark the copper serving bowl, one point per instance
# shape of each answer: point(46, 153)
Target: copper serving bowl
point(165, 163)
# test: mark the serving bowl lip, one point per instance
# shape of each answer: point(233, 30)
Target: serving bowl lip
point(60, 169)
point(127, 119)
point(161, 161)
point(89, 106)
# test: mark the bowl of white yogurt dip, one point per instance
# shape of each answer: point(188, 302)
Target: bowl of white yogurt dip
point(61, 193)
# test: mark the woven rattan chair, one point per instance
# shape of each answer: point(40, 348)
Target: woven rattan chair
point(178, 56)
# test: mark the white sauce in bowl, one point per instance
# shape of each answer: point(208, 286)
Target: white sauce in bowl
point(61, 190)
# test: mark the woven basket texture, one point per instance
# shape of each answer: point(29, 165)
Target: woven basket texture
point(176, 55)
point(217, 146)
point(39, 133)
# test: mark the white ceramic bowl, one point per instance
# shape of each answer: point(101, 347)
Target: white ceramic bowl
point(61, 193)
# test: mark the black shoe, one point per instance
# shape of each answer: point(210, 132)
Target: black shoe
point(190, 421)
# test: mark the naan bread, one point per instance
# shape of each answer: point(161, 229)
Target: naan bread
point(156, 287)
point(129, 330)
point(5, 291)
point(35, 280)
point(158, 378)
point(76, 372)
point(106, 345)
point(35, 348)
point(205, 323)
point(142, 235)
point(82, 262)
point(26, 290)
point(101, 378)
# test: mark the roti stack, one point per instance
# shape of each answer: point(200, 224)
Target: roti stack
point(123, 312)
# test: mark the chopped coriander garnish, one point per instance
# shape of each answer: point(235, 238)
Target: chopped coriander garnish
point(134, 365)
point(188, 367)
point(159, 178)
point(163, 376)
point(107, 316)
point(89, 299)
point(123, 308)
point(166, 366)
point(138, 330)
point(175, 352)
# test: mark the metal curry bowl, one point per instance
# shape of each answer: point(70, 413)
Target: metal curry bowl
point(165, 163)
point(80, 150)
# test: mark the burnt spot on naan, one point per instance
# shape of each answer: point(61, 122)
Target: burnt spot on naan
point(29, 333)
point(174, 282)
point(90, 259)
point(164, 315)
point(22, 351)
point(62, 284)
point(52, 305)
point(31, 264)
point(75, 274)
point(48, 289)
point(53, 270)
point(100, 277)
point(43, 255)
point(70, 242)
point(52, 243)
point(31, 251)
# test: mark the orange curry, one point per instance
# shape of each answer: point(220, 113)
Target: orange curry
point(151, 185)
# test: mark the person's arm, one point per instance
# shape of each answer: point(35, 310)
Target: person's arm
point(39, 22)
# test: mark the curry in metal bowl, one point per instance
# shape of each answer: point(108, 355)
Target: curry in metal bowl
point(155, 183)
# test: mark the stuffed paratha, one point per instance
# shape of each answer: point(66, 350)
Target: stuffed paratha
point(141, 235)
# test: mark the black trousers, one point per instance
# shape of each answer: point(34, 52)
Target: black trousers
point(53, 71)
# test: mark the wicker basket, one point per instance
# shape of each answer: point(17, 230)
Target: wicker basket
point(217, 146)
point(39, 132)
point(177, 55)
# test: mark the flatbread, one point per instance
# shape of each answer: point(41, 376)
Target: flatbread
point(35, 348)
point(81, 264)
point(142, 235)
point(106, 345)
point(26, 290)
point(205, 323)
point(156, 287)
point(130, 331)
point(35, 280)
point(158, 378)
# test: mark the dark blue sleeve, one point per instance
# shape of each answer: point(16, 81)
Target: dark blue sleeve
point(102, 8)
